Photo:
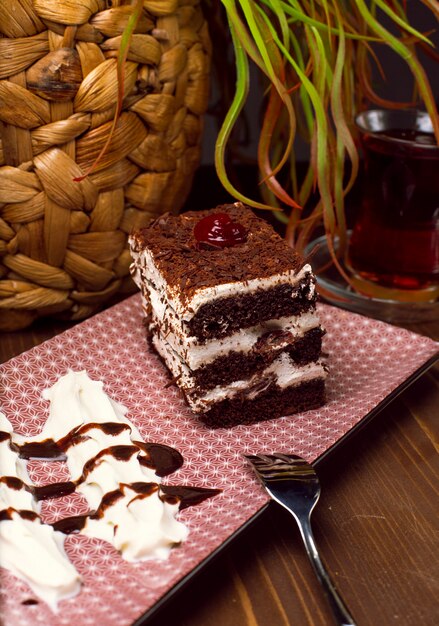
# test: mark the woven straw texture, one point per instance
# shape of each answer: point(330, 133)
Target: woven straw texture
point(63, 244)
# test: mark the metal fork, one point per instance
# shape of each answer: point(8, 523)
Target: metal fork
point(293, 483)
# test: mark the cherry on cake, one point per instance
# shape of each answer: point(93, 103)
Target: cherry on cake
point(231, 310)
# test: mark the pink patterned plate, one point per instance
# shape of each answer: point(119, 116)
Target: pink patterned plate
point(370, 362)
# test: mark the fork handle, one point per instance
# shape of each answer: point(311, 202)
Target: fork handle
point(339, 608)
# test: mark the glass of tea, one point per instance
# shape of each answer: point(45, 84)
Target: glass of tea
point(395, 239)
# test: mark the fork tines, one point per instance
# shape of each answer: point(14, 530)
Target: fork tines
point(278, 466)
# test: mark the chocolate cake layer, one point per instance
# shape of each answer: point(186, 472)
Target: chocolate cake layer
point(238, 365)
point(226, 315)
point(281, 370)
point(271, 403)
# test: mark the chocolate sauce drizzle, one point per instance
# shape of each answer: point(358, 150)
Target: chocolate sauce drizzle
point(24, 514)
point(163, 459)
point(52, 490)
point(50, 449)
point(186, 495)
point(183, 495)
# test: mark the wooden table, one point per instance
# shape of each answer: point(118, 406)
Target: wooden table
point(376, 525)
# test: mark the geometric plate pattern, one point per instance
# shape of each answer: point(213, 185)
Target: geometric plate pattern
point(368, 359)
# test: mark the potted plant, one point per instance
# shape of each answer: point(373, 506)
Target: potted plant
point(317, 60)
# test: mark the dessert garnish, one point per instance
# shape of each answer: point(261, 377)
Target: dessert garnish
point(117, 473)
point(218, 230)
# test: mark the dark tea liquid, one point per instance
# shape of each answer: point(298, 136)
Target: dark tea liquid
point(395, 240)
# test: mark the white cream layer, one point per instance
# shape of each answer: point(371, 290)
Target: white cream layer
point(195, 353)
point(75, 400)
point(243, 341)
point(283, 371)
point(139, 526)
point(144, 269)
point(34, 552)
point(110, 472)
point(146, 529)
point(31, 550)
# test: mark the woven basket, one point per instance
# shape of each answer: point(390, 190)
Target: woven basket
point(63, 244)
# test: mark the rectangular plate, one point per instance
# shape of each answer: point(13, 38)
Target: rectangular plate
point(369, 361)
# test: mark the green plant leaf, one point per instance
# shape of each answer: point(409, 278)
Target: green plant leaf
point(241, 92)
point(401, 22)
point(316, 55)
point(416, 68)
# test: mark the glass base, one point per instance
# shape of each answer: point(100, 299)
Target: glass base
point(417, 308)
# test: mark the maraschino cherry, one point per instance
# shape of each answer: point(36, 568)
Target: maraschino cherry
point(219, 231)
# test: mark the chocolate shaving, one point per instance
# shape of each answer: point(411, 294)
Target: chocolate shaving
point(172, 381)
point(188, 266)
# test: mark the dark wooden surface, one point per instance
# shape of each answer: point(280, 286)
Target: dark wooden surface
point(376, 525)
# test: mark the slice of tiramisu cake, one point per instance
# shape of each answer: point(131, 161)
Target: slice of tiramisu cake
point(230, 308)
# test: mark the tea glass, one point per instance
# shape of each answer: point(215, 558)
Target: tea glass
point(395, 239)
